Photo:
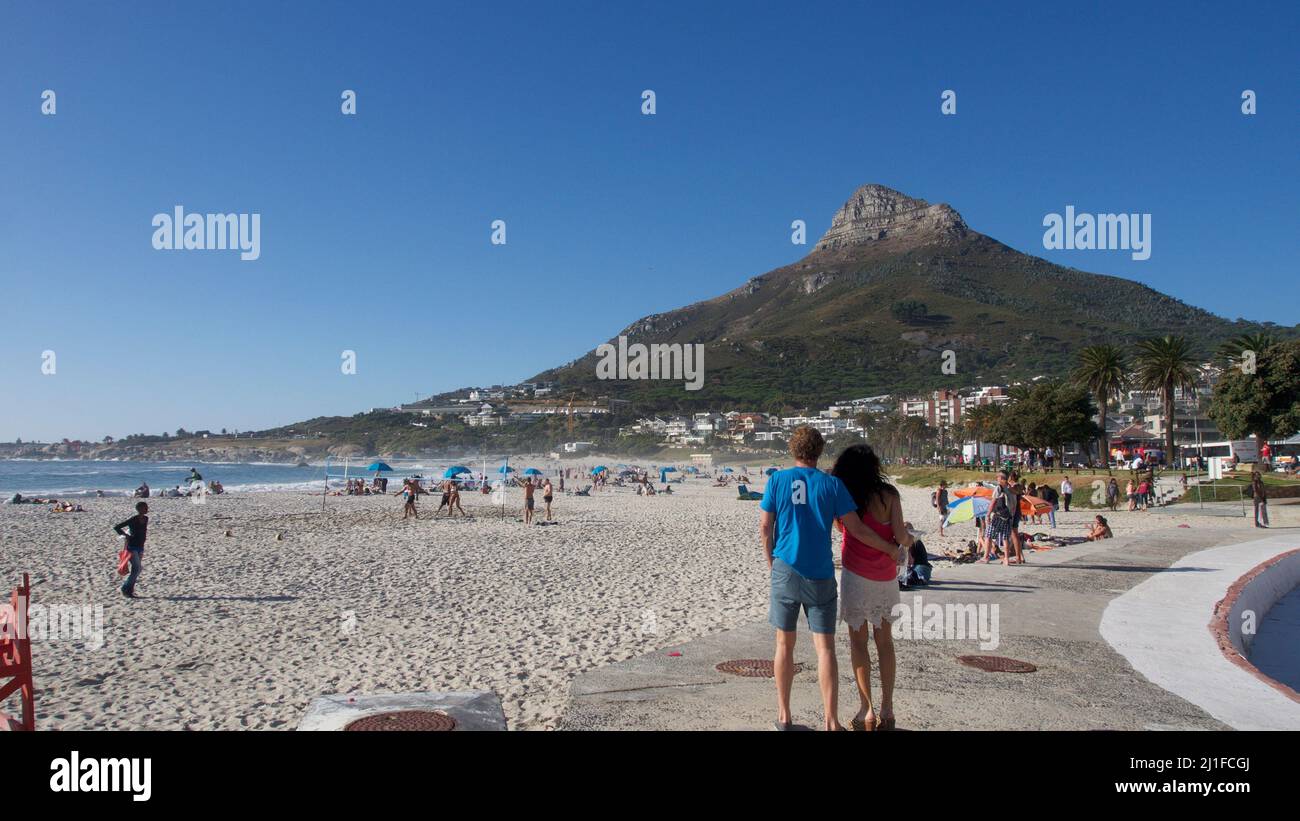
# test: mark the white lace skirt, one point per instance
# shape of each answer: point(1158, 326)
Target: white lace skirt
point(863, 600)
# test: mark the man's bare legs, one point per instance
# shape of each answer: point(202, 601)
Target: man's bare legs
point(783, 670)
point(828, 676)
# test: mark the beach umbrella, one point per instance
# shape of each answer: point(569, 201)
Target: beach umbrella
point(532, 472)
point(455, 471)
point(963, 510)
point(380, 467)
point(504, 469)
point(599, 469)
point(978, 490)
point(728, 470)
point(1034, 506)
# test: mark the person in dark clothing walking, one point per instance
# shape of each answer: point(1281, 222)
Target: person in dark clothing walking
point(137, 528)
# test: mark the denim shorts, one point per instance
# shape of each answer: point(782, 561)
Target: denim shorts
point(819, 598)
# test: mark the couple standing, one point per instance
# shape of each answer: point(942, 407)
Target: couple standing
point(799, 506)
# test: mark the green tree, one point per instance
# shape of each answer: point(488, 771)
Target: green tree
point(1265, 403)
point(1103, 371)
point(1164, 365)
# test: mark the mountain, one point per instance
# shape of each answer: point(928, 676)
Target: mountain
point(891, 285)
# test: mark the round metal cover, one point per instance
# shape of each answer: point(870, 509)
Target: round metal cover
point(751, 668)
point(405, 721)
point(997, 664)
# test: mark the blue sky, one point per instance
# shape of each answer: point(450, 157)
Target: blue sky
point(375, 228)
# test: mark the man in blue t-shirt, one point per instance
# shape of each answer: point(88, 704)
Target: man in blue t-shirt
point(800, 505)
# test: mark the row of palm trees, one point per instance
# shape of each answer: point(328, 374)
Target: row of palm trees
point(1162, 365)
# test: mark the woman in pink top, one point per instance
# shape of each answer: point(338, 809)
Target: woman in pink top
point(869, 581)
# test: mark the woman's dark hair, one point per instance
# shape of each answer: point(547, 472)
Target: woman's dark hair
point(858, 467)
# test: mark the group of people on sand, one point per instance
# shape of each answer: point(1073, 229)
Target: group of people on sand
point(56, 506)
point(548, 496)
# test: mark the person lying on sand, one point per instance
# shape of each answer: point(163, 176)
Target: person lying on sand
point(961, 555)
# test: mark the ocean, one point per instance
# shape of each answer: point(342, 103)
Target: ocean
point(78, 478)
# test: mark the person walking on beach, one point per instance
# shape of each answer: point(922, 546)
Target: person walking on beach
point(409, 491)
point(1067, 493)
point(1260, 495)
point(869, 582)
point(799, 506)
point(548, 493)
point(528, 501)
point(136, 527)
point(1016, 492)
point(446, 488)
point(453, 501)
point(941, 502)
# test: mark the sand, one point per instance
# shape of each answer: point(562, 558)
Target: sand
point(244, 631)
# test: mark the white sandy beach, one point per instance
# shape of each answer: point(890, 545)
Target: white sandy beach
point(244, 631)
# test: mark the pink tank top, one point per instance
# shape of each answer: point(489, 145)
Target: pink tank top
point(866, 561)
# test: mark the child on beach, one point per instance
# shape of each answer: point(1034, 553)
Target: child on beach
point(136, 527)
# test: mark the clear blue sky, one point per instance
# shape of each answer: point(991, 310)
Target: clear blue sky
point(375, 228)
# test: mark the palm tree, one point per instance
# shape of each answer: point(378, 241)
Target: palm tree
point(1103, 372)
point(975, 423)
point(1233, 349)
point(1164, 365)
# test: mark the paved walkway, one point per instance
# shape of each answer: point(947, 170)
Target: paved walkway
point(1160, 627)
point(1049, 615)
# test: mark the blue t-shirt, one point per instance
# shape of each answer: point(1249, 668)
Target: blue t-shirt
point(806, 502)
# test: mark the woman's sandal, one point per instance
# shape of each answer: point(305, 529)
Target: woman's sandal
point(886, 724)
point(860, 725)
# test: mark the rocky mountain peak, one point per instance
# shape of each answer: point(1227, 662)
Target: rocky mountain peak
point(876, 214)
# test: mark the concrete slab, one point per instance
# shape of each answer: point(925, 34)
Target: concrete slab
point(473, 710)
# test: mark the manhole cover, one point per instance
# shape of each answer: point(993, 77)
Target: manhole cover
point(751, 668)
point(997, 664)
point(405, 721)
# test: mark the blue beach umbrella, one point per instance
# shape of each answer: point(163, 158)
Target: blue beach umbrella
point(454, 471)
point(380, 467)
point(599, 469)
point(504, 469)
point(728, 470)
point(532, 472)
point(965, 509)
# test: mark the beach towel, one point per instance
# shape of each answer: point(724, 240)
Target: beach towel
point(123, 562)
